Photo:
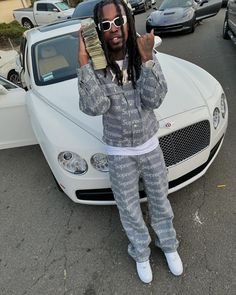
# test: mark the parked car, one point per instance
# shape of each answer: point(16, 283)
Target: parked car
point(191, 131)
point(8, 67)
point(141, 5)
point(43, 12)
point(229, 27)
point(180, 15)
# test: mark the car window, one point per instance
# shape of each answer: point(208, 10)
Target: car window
point(52, 62)
point(175, 3)
point(42, 7)
point(50, 7)
point(62, 5)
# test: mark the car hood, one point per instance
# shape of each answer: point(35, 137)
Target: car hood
point(188, 88)
point(169, 16)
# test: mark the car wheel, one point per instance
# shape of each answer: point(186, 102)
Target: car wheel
point(148, 29)
point(226, 28)
point(14, 77)
point(192, 29)
point(26, 23)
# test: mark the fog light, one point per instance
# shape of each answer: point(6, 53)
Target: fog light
point(72, 162)
point(99, 162)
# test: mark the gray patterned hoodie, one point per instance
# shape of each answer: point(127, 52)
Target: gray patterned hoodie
point(128, 116)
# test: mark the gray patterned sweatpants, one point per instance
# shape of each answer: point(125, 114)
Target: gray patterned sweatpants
point(125, 172)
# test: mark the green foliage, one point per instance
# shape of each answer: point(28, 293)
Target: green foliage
point(12, 30)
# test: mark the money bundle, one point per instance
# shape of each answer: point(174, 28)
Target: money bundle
point(93, 44)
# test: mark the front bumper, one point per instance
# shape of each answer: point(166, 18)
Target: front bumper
point(105, 196)
point(174, 28)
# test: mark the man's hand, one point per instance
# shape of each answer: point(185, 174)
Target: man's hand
point(83, 54)
point(145, 46)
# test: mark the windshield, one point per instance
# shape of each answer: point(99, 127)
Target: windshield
point(62, 6)
point(175, 3)
point(55, 60)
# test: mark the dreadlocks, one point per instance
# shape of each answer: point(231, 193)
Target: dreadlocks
point(134, 59)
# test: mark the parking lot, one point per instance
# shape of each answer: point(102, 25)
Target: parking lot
point(51, 246)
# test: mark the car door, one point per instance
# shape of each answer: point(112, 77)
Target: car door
point(42, 15)
point(15, 127)
point(53, 13)
point(207, 8)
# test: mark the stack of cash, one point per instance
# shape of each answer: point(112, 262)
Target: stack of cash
point(93, 44)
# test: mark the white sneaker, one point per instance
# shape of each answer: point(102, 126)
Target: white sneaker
point(174, 262)
point(144, 271)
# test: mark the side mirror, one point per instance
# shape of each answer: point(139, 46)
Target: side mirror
point(3, 90)
point(157, 41)
point(155, 8)
point(55, 10)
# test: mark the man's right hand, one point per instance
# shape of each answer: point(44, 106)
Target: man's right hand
point(83, 54)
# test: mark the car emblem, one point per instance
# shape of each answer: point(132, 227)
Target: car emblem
point(169, 124)
point(165, 124)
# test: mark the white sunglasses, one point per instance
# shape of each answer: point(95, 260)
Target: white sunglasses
point(117, 22)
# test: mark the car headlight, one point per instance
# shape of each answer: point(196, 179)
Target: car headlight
point(187, 14)
point(216, 117)
point(223, 105)
point(72, 163)
point(99, 162)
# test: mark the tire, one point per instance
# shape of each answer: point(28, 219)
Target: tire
point(192, 29)
point(226, 28)
point(148, 29)
point(26, 23)
point(14, 77)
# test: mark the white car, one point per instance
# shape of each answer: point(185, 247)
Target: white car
point(193, 117)
point(8, 67)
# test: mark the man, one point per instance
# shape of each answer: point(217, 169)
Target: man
point(125, 94)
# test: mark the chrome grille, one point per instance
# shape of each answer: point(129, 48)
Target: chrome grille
point(186, 142)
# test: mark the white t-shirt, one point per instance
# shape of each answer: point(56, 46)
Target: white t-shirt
point(144, 148)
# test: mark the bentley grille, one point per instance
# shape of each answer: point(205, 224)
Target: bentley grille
point(184, 143)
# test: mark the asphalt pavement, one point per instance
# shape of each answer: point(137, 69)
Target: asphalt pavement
point(51, 246)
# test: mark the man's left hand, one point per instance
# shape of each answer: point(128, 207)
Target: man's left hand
point(145, 46)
